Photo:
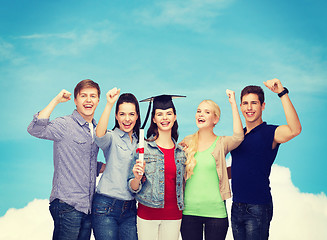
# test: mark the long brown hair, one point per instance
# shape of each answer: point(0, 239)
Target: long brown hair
point(129, 98)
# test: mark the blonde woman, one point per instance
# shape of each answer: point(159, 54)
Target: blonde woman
point(207, 186)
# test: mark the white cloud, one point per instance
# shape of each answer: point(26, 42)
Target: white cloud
point(297, 216)
point(73, 42)
point(33, 222)
point(7, 52)
point(69, 35)
point(195, 14)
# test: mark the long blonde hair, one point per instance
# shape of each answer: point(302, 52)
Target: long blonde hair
point(193, 141)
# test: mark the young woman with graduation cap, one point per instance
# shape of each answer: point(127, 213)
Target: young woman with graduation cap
point(158, 181)
point(114, 207)
point(207, 185)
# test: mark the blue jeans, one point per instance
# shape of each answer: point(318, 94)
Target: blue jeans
point(251, 221)
point(113, 219)
point(214, 228)
point(69, 224)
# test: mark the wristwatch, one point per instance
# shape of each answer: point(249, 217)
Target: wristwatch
point(282, 93)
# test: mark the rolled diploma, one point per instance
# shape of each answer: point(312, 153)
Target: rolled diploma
point(141, 146)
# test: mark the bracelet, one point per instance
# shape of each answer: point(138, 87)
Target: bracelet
point(282, 93)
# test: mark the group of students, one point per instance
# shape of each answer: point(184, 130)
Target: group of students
point(178, 187)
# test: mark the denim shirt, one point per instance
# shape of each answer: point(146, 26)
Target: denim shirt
point(118, 151)
point(151, 192)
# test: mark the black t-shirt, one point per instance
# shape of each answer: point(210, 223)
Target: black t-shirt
point(251, 165)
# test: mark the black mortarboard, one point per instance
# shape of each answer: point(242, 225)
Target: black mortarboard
point(159, 102)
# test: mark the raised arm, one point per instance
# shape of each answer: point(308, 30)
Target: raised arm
point(232, 142)
point(237, 123)
point(238, 133)
point(41, 127)
point(112, 96)
point(63, 96)
point(284, 133)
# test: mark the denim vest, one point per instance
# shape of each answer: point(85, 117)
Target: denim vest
point(152, 191)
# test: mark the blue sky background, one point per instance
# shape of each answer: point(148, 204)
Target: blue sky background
point(196, 48)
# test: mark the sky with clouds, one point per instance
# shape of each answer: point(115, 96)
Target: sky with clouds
point(197, 48)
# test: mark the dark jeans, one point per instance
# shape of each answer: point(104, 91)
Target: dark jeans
point(251, 221)
point(113, 219)
point(69, 224)
point(214, 228)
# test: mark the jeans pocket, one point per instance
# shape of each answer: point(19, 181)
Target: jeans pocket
point(65, 208)
point(100, 209)
point(255, 210)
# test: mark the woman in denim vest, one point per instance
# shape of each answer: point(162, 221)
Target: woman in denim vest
point(158, 182)
point(114, 207)
point(207, 185)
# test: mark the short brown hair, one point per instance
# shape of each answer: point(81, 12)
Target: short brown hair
point(255, 90)
point(87, 83)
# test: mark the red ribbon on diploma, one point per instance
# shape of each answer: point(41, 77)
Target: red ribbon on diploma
point(140, 150)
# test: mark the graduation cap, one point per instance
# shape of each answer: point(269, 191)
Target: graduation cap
point(159, 102)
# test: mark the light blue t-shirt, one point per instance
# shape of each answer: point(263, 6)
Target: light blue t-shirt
point(118, 151)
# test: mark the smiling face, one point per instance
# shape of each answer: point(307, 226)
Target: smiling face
point(252, 109)
point(164, 119)
point(126, 117)
point(205, 116)
point(86, 102)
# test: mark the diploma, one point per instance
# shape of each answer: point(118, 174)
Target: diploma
point(141, 145)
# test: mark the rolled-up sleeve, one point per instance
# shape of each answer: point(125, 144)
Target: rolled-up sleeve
point(105, 141)
point(131, 189)
point(43, 128)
